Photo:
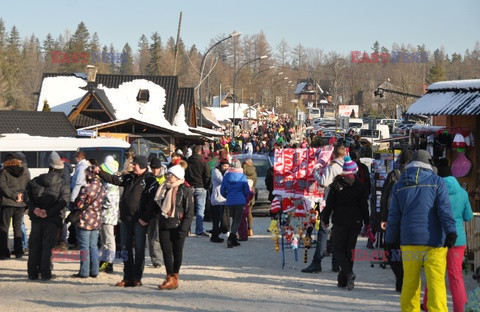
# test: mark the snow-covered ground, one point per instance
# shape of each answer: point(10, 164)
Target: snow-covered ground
point(212, 278)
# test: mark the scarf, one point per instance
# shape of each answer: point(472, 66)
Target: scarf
point(14, 167)
point(165, 198)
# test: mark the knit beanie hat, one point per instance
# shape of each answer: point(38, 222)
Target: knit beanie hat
point(110, 165)
point(422, 156)
point(236, 164)
point(55, 161)
point(177, 171)
point(155, 163)
point(349, 166)
point(141, 160)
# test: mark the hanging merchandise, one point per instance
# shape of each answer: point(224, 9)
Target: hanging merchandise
point(459, 142)
point(298, 198)
point(461, 166)
point(430, 141)
point(443, 141)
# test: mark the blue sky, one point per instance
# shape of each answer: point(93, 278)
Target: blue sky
point(340, 26)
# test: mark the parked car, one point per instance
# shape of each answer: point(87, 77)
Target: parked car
point(261, 163)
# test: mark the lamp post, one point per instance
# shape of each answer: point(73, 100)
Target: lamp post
point(234, 94)
point(202, 64)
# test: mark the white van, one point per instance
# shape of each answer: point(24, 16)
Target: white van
point(37, 149)
point(313, 113)
point(382, 132)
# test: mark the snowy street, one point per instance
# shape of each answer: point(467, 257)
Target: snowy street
point(213, 278)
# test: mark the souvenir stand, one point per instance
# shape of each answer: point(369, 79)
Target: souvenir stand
point(457, 144)
point(455, 106)
point(296, 197)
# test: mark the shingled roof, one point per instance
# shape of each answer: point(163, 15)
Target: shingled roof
point(50, 124)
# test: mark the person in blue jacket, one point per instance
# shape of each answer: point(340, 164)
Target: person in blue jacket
point(420, 218)
point(235, 189)
point(462, 212)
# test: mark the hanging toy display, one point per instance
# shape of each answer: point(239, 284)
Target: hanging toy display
point(298, 197)
point(461, 166)
point(273, 229)
point(307, 243)
point(295, 246)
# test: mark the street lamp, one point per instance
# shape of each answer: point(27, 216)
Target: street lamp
point(234, 93)
point(202, 64)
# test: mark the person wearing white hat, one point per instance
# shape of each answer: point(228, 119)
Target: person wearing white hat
point(110, 214)
point(175, 200)
point(135, 216)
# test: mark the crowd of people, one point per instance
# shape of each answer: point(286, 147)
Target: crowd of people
point(147, 201)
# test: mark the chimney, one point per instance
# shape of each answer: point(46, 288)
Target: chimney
point(91, 76)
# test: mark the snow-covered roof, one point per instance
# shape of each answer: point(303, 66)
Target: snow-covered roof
point(179, 122)
point(64, 92)
point(207, 131)
point(449, 98)
point(125, 104)
point(208, 115)
point(61, 93)
point(455, 84)
point(226, 113)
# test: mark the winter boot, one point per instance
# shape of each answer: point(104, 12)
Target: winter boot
point(103, 266)
point(341, 280)
point(350, 281)
point(230, 241)
point(170, 283)
point(175, 276)
point(312, 268)
point(235, 242)
point(215, 239)
point(109, 268)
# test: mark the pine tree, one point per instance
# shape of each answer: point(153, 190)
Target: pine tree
point(12, 69)
point(79, 43)
point(114, 60)
point(143, 55)
point(3, 34)
point(155, 49)
point(126, 61)
point(437, 72)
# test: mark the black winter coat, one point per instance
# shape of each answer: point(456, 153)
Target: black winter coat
point(184, 209)
point(48, 191)
point(13, 181)
point(348, 200)
point(137, 191)
point(197, 173)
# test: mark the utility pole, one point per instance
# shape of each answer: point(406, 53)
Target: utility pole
point(176, 45)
